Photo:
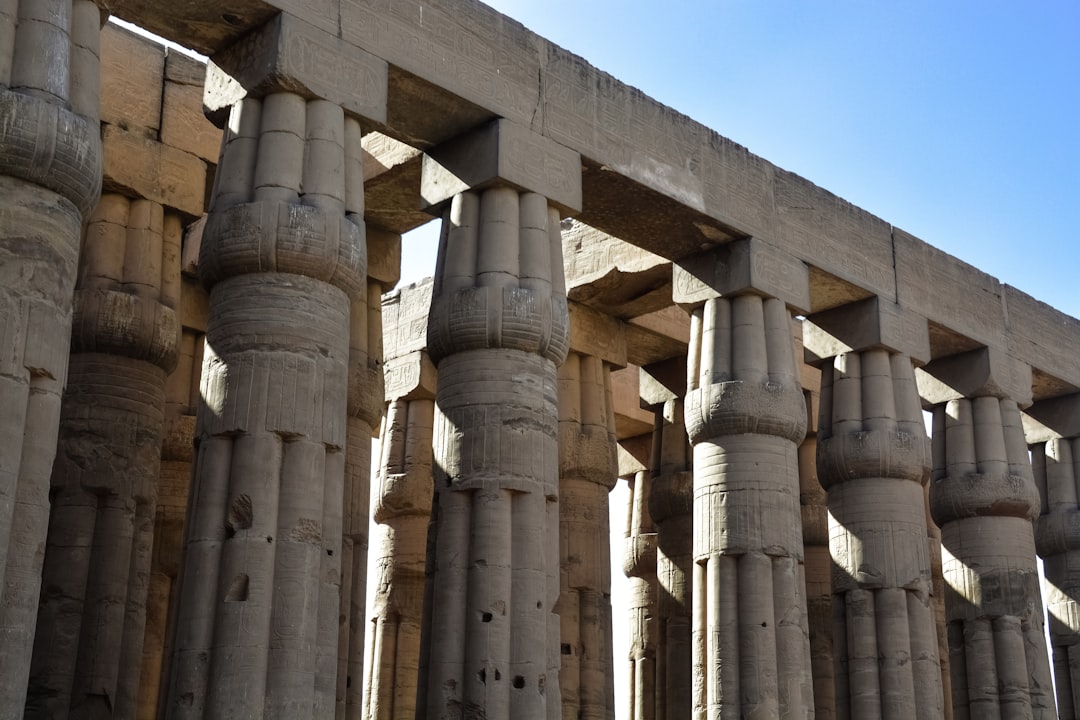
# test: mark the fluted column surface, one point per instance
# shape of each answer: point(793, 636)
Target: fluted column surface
point(639, 565)
point(497, 331)
point(873, 458)
point(402, 513)
point(50, 179)
point(983, 496)
point(818, 564)
point(283, 254)
point(745, 416)
point(587, 472)
point(1057, 539)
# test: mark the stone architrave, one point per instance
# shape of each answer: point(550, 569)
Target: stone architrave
point(984, 499)
point(50, 180)
point(746, 416)
point(1053, 429)
point(873, 459)
point(497, 332)
point(284, 257)
point(588, 470)
point(402, 512)
point(125, 339)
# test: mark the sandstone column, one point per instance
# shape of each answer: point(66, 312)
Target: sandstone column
point(125, 338)
point(177, 454)
point(670, 504)
point(365, 410)
point(983, 496)
point(639, 565)
point(50, 178)
point(497, 332)
point(402, 511)
point(1054, 428)
point(745, 416)
point(588, 470)
point(283, 254)
point(873, 459)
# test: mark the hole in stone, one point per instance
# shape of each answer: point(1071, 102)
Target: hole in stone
point(764, 624)
point(269, 538)
point(230, 531)
point(498, 676)
point(539, 605)
point(565, 648)
point(329, 552)
point(519, 682)
point(482, 676)
point(238, 589)
point(485, 617)
point(232, 19)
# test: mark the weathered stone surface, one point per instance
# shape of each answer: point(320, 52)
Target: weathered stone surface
point(183, 124)
point(738, 267)
point(146, 168)
point(132, 78)
point(871, 323)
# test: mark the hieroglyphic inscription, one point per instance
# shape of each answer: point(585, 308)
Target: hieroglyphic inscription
point(405, 313)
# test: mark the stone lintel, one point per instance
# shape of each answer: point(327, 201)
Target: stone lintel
point(630, 418)
point(975, 373)
point(134, 164)
point(194, 304)
point(289, 55)
point(634, 454)
point(1053, 418)
point(384, 256)
point(594, 333)
point(864, 325)
point(404, 314)
point(502, 153)
point(663, 381)
point(410, 377)
point(742, 266)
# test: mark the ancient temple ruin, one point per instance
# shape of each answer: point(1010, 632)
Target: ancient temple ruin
point(202, 333)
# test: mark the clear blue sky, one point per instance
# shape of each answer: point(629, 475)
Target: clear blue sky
point(955, 121)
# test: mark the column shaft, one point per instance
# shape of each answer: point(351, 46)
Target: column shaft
point(745, 416)
point(873, 458)
point(639, 564)
point(50, 179)
point(983, 497)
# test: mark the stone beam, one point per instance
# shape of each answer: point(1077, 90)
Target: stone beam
point(986, 371)
point(597, 334)
point(1047, 420)
point(865, 325)
point(746, 266)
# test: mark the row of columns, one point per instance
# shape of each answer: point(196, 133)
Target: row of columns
point(488, 475)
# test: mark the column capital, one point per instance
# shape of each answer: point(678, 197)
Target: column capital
point(502, 153)
point(986, 371)
point(1054, 418)
point(288, 55)
point(742, 266)
point(873, 323)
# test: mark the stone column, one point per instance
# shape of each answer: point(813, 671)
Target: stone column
point(983, 496)
point(125, 338)
point(873, 459)
point(670, 508)
point(177, 454)
point(283, 254)
point(588, 470)
point(402, 511)
point(50, 179)
point(745, 416)
point(497, 332)
point(1053, 426)
point(639, 565)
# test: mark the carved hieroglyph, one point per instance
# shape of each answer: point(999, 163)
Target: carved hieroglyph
point(50, 179)
point(587, 472)
point(873, 458)
point(983, 496)
point(284, 256)
point(125, 340)
point(497, 332)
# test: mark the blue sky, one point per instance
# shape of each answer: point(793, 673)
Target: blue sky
point(955, 121)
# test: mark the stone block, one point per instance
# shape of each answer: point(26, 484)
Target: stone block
point(986, 371)
point(152, 170)
point(183, 124)
point(1057, 417)
point(594, 333)
point(657, 336)
point(132, 76)
point(410, 377)
point(630, 418)
point(405, 316)
point(383, 256)
point(503, 153)
point(742, 266)
point(1043, 336)
point(948, 291)
point(864, 325)
point(289, 55)
point(662, 382)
